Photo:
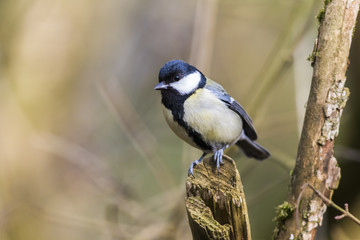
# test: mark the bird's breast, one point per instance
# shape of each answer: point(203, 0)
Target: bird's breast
point(212, 118)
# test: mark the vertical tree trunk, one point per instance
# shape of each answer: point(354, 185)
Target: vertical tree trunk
point(315, 163)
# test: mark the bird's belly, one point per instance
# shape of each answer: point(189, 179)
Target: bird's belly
point(209, 116)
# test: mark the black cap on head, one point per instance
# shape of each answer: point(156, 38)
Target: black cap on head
point(174, 70)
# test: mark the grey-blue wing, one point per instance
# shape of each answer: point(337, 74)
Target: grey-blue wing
point(220, 92)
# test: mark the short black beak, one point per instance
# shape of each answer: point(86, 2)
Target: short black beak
point(161, 85)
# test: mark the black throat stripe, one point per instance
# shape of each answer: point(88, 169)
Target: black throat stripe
point(175, 102)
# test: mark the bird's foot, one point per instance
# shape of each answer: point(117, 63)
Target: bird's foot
point(194, 163)
point(218, 158)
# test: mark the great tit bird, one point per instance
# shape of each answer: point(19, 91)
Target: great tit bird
point(201, 113)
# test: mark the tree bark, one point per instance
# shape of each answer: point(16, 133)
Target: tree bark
point(215, 202)
point(315, 162)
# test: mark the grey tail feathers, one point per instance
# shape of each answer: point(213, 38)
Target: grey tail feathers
point(253, 149)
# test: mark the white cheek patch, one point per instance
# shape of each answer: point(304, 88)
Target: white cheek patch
point(187, 84)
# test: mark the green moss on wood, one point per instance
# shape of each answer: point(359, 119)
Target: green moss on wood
point(283, 212)
point(353, 31)
point(312, 56)
point(321, 15)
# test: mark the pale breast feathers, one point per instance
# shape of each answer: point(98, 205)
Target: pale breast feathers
point(212, 118)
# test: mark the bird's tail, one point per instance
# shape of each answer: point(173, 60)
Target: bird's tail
point(253, 149)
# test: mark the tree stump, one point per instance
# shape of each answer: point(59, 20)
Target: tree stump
point(215, 202)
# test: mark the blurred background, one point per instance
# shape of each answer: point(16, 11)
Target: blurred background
point(84, 150)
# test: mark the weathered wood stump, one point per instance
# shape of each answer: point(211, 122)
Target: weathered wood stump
point(215, 202)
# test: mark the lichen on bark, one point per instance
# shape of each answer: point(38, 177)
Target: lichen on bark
point(335, 103)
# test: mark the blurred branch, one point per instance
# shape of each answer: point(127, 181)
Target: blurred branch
point(97, 173)
point(90, 164)
point(12, 14)
point(202, 42)
point(280, 58)
point(137, 132)
point(315, 163)
point(122, 208)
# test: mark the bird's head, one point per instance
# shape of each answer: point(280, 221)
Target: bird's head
point(180, 77)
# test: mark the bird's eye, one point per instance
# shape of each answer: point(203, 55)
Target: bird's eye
point(177, 77)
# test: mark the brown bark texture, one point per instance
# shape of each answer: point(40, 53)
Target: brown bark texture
point(315, 162)
point(215, 202)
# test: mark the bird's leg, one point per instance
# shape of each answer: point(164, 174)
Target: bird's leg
point(218, 157)
point(194, 163)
